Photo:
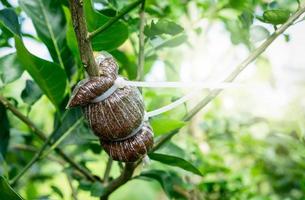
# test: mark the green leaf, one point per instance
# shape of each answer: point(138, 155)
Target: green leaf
point(258, 33)
point(10, 68)
point(175, 161)
point(229, 13)
point(97, 189)
point(276, 17)
point(7, 192)
point(163, 26)
point(31, 93)
point(50, 77)
point(4, 131)
point(3, 167)
point(71, 37)
point(9, 19)
point(168, 180)
point(111, 38)
point(162, 125)
point(50, 23)
point(57, 191)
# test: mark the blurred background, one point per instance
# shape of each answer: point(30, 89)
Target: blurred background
point(248, 142)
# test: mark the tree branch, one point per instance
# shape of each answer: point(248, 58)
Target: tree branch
point(129, 168)
point(109, 23)
point(81, 31)
point(42, 137)
point(141, 58)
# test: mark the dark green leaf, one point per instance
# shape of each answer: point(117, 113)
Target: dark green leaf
point(4, 131)
point(3, 167)
point(9, 19)
point(7, 192)
point(163, 26)
point(168, 180)
point(31, 93)
point(10, 68)
point(276, 17)
point(81, 134)
point(175, 161)
point(50, 77)
point(57, 191)
point(50, 24)
point(110, 39)
point(97, 189)
point(165, 125)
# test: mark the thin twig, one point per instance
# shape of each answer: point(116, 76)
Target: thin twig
point(141, 57)
point(129, 167)
point(42, 154)
point(109, 23)
point(42, 137)
point(107, 170)
point(73, 190)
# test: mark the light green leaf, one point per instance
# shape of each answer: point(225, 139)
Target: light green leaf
point(258, 33)
point(162, 125)
point(168, 180)
point(97, 189)
point(175, 161)
point(111, 38)
point(7, 192)
point(229, 13)
point(163, 26)
point(10, 68)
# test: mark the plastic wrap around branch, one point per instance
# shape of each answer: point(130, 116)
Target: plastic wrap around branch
point(114, 109)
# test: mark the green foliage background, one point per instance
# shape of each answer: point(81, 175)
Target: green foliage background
point(218, 155)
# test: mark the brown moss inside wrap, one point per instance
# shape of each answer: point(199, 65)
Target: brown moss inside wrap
point(118, 115)
point(132, 149)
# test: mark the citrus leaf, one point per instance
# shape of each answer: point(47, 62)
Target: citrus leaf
point(168, 180)
point(10, 68)
point(163, 125)
point(9, 19)
point(175, 161)
point(31, 93)
point(50, 23)
point(276, 17)
point(50, 77)
point(7, 192)
point(111, 38)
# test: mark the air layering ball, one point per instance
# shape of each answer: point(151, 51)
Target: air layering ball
point(114, 112)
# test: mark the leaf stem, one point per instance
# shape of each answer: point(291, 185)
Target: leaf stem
point(107, 170)
point(42, 137)
point(109, 23)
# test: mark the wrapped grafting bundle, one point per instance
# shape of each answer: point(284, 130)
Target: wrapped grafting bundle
point(115, 112)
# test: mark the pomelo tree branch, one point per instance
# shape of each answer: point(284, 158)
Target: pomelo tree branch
point(130, 167)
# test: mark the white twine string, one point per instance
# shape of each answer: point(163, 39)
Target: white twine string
point(121, 82)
